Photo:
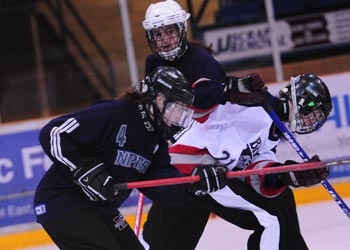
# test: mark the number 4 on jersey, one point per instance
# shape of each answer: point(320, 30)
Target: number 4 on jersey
point(121, 136)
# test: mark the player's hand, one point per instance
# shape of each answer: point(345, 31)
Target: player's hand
point(306, 178)
point(95, 182)
point(251, 83)
point(248, 90)
point(212, 178)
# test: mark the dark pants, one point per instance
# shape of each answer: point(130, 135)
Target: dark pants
point(180, 227)
point(175, 228)
point(286, 204)
point(90, 230)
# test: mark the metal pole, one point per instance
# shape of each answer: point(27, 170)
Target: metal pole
point(274, 44)
point(130, 53)
point(40, 72)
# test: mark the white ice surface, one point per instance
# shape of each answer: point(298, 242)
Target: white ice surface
point(324, 226)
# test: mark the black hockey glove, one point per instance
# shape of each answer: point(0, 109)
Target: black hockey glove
point(251, 83)
point(248, 90)
point(212, 178)
point(306, 178)
point(96, 183)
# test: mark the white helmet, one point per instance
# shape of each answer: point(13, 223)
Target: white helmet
point(162, 14)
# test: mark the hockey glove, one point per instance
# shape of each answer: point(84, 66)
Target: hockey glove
point(248, 90)
point(96, 183)
point(251, 83)
point(269, 185)
point(306, 178)
point(212, 178)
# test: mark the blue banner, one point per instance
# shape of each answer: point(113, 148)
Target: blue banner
point(22, 164)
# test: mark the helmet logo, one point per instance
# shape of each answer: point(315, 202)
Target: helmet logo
point(144, 88)
point(312, 91)
point(311, 104)
point(166, 84)
point(173, 74)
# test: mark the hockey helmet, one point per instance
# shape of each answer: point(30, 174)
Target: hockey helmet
point(311, 102)
point(160, 16)
point(173, 86)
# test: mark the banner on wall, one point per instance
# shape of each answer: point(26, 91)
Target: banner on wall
point(23, 162)
point(242, 42)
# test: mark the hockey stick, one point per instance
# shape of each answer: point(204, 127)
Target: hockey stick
point(231, 174)
point(140, 203)
point(289, 136)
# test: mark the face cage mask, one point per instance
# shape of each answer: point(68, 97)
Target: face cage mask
point(306, 124)
point(170, 55)
point(177, 114)
point(174, 53)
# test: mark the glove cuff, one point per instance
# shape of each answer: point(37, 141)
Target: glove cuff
point(282, 109)
point(291, 180)
point(232, 84)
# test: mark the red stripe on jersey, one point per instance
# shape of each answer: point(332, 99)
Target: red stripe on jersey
point(186, 158)
point(184, 149)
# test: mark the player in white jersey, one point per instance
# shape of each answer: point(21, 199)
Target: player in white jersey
point(243, 138)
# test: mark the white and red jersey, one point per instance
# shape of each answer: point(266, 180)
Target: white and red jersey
point(233, 135)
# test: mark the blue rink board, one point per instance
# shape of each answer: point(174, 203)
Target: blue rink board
point(23, 163)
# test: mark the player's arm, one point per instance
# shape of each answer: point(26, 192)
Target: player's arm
point(68, 143)
point(273, 184)
point(212, 177)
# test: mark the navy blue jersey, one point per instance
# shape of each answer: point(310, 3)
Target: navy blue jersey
point(116, 133)
point(196, 63)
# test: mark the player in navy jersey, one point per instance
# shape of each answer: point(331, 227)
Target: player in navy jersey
point(114, 141)
point(171, 48)
point(165, 25)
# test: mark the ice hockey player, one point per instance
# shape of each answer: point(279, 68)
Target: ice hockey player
point(109, 142)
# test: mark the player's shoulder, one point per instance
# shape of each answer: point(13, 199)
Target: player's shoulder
point(153, 61)
point(107, 103)
point(151, 57)
point(195, 50)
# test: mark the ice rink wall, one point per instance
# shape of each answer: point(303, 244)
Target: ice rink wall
point(23, 163)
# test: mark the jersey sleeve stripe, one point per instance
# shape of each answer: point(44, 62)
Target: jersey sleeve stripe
point(56, 150)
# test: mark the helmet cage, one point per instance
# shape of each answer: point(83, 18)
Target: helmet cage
point(306, 124)
point(172, 54)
